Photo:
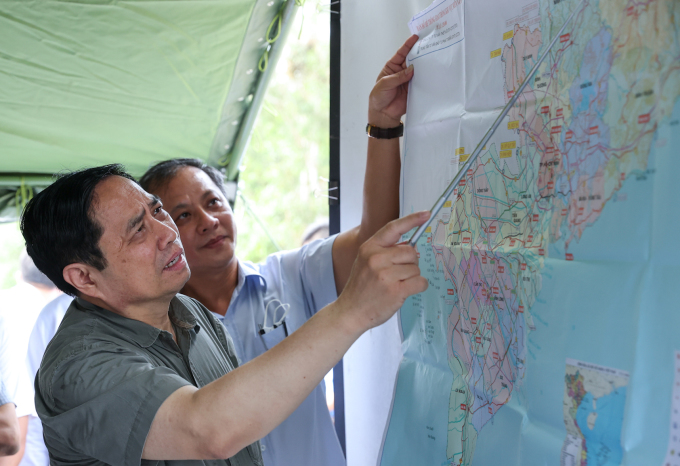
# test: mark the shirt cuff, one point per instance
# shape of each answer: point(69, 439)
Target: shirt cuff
point(159, 389)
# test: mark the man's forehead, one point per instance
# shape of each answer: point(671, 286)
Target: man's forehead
point(116, 198)
point(189, 182)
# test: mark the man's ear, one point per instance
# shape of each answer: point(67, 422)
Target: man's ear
point(80, 276)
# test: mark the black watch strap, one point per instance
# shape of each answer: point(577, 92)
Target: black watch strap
point(385, 133)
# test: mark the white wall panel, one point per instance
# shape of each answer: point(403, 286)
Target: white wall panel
point(371, 32)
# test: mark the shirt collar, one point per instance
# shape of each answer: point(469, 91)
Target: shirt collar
point(248, 271)
point(139, 332)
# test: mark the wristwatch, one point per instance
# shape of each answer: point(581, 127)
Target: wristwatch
point(385, 133)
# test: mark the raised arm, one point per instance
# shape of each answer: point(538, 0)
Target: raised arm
point(243, 406)
point(386, 106)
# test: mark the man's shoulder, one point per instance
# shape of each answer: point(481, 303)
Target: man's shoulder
point(320, 249)
point(82, 341)
point(78, 327)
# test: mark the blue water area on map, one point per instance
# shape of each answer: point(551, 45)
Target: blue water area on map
point(605, 307)
point(603, 441)
point(424, 379)
point(614, 305)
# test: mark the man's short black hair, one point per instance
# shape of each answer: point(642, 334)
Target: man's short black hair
point(159, 175)
point(59, 226)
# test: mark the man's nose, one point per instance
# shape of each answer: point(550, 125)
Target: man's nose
point(166, 234)
point(207, 221)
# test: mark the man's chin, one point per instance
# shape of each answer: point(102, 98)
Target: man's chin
point(218, 259)
point(185, 278)
point(175, 284)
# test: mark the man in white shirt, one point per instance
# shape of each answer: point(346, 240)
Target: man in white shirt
point(9, 424)
point(19, 309)
point(44, 329)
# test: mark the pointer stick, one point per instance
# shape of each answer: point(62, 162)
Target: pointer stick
point(461, 173)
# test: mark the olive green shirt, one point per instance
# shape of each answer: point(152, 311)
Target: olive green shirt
point(103, 378)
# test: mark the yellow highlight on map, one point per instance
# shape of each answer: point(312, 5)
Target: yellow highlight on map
point(428, 230)
point(513, 124)
point(464, 157)
point(508, 35)
point(460, 150)
point(506, 154)
point(447, 204)
point(508, 145)
point(496, 53)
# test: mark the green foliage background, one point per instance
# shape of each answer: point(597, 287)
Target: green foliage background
point(288, 152)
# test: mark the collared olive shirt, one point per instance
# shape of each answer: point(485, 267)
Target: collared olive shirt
point(104, 376)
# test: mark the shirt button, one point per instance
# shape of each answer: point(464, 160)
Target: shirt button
point(263, 447)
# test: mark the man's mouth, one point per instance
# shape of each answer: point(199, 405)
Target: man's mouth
point(174, 260)
point(215, 241)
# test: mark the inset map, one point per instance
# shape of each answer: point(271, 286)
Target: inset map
point(594, 400)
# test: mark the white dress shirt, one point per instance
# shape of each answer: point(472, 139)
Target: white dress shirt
point(19, 308)
point(304, 280)
point(44, 329)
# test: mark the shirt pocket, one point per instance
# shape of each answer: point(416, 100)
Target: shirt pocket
point(274, 336)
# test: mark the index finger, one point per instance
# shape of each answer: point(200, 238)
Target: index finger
point(390, 233)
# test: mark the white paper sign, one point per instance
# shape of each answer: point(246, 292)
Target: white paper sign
point(439, 26)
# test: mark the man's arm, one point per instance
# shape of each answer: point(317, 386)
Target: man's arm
point(243, 406)
point(12, 435)
point(387, 104)
point(9, 430)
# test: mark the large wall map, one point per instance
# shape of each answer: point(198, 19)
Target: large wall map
point(548, 332)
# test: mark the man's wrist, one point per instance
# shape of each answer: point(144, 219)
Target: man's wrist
point(382, 121)
point(347, 319)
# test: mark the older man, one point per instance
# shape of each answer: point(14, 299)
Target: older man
point(138, 374)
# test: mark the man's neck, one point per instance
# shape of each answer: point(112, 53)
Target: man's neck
point(213, 288)
point(154, 313)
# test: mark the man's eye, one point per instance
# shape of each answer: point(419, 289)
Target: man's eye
point(182, 216)
point(157, 210)
point(214, 201)
point(141, 228)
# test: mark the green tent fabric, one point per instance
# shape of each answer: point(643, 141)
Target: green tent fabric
point(84, 83)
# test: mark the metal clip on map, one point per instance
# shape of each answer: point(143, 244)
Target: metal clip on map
point(473, 157)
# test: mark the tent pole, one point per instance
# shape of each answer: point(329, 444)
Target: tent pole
point(245, 131)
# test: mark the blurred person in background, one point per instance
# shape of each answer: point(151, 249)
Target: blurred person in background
point(19, 309)
point(317, 230)
point(44, 329)
point(9, 425)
